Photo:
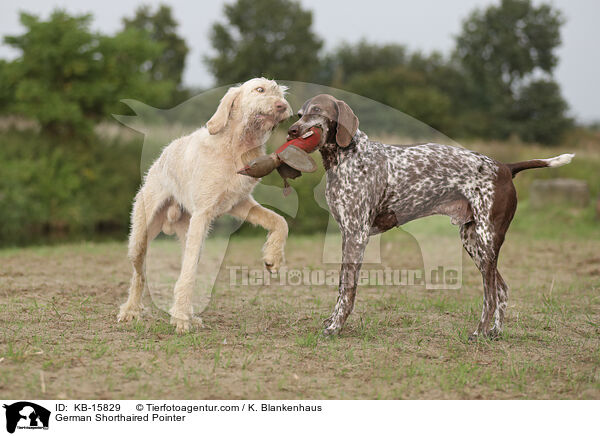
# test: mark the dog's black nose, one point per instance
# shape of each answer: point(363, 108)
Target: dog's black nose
point(293, 131)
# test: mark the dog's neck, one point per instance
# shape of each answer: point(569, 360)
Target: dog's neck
point(247, 142)
point(332, 154)
point(329, 155)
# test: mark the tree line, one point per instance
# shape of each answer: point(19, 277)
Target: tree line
point(68, 182)
point(497, 82)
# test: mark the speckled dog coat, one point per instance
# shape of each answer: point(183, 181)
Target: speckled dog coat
point(373, 187)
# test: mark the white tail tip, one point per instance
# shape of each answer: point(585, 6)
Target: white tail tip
point(561, 160)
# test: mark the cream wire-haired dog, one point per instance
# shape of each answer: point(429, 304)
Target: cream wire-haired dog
point(194, 181)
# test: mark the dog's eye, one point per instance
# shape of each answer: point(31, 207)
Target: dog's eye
point(317, 109)
point(260, 89)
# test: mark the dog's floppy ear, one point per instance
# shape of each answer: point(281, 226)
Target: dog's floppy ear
point(347, 124)
point(219, 120)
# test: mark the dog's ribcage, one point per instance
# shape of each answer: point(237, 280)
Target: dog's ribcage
point(389, 185)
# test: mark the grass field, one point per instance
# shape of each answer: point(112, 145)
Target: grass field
point(59, 338)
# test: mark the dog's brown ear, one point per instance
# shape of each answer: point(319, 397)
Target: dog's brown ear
point(219, 120)
point(347, 124)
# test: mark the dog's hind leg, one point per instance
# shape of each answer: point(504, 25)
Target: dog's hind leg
point(146, 222)
point(485, 259)
point(502, 212)
point(501, 307)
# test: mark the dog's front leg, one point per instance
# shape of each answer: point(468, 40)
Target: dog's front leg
point(181, 312)
point(353, 248)
point(273, 250)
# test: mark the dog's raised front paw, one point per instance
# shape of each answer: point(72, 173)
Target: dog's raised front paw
point(273, 262)
point(273, 254)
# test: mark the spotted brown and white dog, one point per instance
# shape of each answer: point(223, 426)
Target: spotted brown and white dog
point(373, 187)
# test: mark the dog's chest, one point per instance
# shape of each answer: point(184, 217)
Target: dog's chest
point(354, 184)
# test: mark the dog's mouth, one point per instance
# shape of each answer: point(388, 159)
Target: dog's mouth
point(300, 134)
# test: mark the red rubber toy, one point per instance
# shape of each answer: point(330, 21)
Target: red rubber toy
point(307, 142)
point(294, 153)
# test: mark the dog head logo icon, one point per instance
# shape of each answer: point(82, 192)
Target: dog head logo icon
point(26, 415)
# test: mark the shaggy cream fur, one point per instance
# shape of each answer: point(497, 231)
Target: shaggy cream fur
point(194, 181)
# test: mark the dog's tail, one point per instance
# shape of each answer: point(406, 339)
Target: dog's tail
point(557, 161)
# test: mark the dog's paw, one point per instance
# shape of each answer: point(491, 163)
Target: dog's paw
point(331, 331)
point(272, 268)
point(181, 325)
point(127, 313)
point(273, 262)
point(494, 333)
point(197, 321)
point(180, 318)
point(332, 327)
point(184, 320)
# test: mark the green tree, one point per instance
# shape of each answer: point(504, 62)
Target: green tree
point(348, 60)
point(68, 78)
point(271, 38)
point(500, 50)
point(7, 92)
point(406, 90)
point(507, 42)
point(389, 74)
point(540, 112)
point(161, 27)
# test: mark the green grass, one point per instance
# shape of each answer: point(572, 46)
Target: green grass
point(556, 222)
point(58, 307)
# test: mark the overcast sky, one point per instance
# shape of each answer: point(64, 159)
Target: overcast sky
point(424, 25)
